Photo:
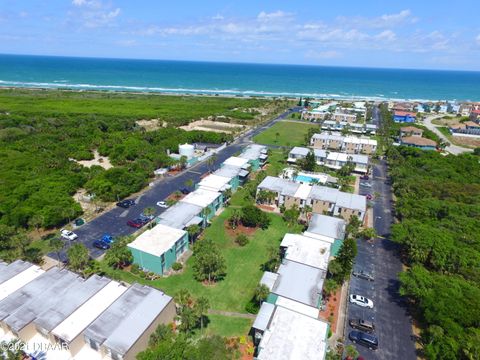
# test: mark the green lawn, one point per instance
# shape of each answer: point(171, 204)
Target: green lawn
point(289, 134)
point(277, 161)
point(227, 325)
point(243, 264)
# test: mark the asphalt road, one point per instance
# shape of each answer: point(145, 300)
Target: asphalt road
point(381, 258)
point(114, 222)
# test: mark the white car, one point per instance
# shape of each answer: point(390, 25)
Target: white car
point(162, 204)
point(361, 301)
point(67, 234)
point(366, 184)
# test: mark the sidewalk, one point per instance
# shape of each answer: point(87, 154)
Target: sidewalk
point(339, 334)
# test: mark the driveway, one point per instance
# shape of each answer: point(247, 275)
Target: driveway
point(452, 149)
point(381, 258)
point(115, 220)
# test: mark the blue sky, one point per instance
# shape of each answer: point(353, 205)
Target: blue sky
point(404, 34)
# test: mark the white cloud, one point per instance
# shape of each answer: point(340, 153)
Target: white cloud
point(386, 35)
point(127, 43)
point(478, 39)
point(383, 21)
point(321, 55)
point(279, 29)
point(218, 17)
point(93, 13)
point(274, 16)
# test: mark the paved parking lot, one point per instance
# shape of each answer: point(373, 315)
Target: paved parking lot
point(381, 258)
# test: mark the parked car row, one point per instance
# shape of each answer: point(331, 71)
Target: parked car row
point(363, 333)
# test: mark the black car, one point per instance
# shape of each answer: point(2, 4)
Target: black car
point(364, 339)
point(363, 325)
point(125, 203)
point(363, 275)
point(99, 244)
point(185, 191)
point(364, 177)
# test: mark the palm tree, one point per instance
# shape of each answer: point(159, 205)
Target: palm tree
point(211, 161)
point(235, 218)
point(149, 211)
point(183, 162)
point(193, 231)
point(261, 293)
point(201, 308)
point(206, 213)
point(183, 298)
point(56, 244)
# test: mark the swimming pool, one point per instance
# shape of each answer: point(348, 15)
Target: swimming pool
point(305, 179)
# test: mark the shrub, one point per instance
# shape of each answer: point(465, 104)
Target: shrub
point(177, 266)
point(252, 307)
point(242, 240)
point(253, 217)
point(135, 269)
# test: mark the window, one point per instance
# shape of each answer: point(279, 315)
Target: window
point(116, 356)
point(93, 344)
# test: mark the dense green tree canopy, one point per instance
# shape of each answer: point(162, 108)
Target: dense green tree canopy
point(438, 203)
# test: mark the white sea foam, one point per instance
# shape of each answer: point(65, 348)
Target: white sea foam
point(63, 84)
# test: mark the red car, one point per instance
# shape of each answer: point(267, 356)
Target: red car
point(369, 197)
point(137, 223)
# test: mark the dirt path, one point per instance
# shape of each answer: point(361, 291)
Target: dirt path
point(452, 149)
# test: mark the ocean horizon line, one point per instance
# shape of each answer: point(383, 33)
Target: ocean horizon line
point(243, 63)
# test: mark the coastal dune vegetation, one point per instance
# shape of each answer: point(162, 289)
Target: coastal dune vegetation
point(45, 133)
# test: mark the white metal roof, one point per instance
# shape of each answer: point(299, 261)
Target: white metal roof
point(268, 279)
point(157, 240)
point(13, 284)
point(179, 215)
point(306, 250)
point(357, 140)
point(303, 191)
point(297, 306)
point(299, 282)
point(328, 226)
point(297, 150)
point(235, 161)
point(351, 201)
point(263, 317)
point(292, 336)
point(201, 197)
point(120, 326)
point(72, 326)
point(214, 183)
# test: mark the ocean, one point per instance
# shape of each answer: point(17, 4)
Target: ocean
point(236, 79)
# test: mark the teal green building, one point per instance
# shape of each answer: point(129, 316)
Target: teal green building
point(157, 249)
